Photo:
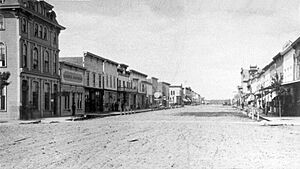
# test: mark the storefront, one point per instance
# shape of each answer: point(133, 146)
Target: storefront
point(110, 101)
point(72, 90)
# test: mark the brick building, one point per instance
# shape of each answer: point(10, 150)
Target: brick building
point(29, 47)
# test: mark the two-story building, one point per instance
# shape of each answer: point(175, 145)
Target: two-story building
point(125, 89)
point(138, 81)
point(176, 95)
point(163, 87)
point(93, 80)
point(29, 50)
point(110, 73)
point(72, 88)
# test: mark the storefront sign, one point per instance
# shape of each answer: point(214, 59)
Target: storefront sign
point(68, 76)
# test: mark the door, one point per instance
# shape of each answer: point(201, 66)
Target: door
point(24, 112)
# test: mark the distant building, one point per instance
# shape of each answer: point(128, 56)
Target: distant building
point(156, 94)
point(125, 89)
point(176, 95)
point(163, 87)
point(139, 80)
point(29, 50)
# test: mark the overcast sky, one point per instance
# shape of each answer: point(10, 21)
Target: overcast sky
point(198, 43)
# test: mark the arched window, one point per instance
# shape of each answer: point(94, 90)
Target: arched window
point(2, 22)
point(2, 54)
point(36, 30)
point(24, 25)
point(46, 62)
point(35, 64)
point(24, 56)
point(45, 33)
point(41, 31)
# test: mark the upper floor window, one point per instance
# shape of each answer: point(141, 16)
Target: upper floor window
point(2, 22)
point(24, 56)
point(2, 54)
point(46, 62)
point(35, 64)
point(99, 81)
point(2, 1)
point(55, 63)
point(114, 82)
point(41, 31)
point(87, 78)
point(106, 80)
point(24, 25)
point(110, 81)
point(54, 38)
point(45, 33)
point(94, 79)
point(36, 30)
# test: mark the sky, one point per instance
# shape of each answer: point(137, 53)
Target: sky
point(202, 44)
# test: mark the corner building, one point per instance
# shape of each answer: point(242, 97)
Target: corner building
point(29, 34)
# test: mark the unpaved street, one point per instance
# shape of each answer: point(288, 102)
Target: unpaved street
point(189, 137)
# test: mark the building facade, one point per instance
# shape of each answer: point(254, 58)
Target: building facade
point(139, 98)
point(110, 73)
point(29, 49)
point(125, 89)
point(72, 89)
point(176, 95)
point(164, 88)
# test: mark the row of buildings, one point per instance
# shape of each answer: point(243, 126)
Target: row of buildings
point(275, 88)
point(43, 84)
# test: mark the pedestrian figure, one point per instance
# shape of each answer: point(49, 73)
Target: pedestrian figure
point(73, 109)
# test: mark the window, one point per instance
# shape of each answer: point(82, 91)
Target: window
point(79, 101)
point(24, 56)
point(41, 31)
point(124, 84)
point(24, 25)
point(47, 96)
point(114, 82)
point(46, 62)
point(36, 30)
point(35, 64)
point(2, 22)
point(94, 79)
point(67, 101)
point(106, 80)
point(54, 38)
point(35, 95)
point(99, 81)
point(45, 33)
point(2, 54)
point(3, 99)
point(2, 1)
point(119, 83)
point(110, 81)
point(55, 63)
point(87, 78)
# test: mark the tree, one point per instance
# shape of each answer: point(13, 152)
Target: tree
point(3, 81)
point(276, 85)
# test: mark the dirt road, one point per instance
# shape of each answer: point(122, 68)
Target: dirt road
point(189, 137)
